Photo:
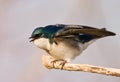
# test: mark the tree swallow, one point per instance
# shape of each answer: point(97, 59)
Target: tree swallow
point(65, 42)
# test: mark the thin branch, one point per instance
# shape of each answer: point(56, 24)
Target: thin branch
point(47, 62)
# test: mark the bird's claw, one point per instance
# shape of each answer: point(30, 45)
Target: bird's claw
point(62, 63)
point(54, 62)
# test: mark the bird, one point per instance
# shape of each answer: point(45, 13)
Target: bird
point(64, 42)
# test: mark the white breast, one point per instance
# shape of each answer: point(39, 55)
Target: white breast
point(42, 43)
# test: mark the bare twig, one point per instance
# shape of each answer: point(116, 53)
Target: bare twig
point(47, 61)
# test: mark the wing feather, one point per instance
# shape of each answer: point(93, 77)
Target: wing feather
point(79, 29)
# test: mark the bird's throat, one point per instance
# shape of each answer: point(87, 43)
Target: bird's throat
point(42, 43)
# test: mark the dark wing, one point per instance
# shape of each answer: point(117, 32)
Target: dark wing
point(79, 29)
point(85, 33)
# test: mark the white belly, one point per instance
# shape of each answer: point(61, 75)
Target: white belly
point(65, 52)
point(66, 49)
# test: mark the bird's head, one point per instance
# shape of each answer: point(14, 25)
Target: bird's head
point(37, 33)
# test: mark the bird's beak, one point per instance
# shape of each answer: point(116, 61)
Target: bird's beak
point(32, 39)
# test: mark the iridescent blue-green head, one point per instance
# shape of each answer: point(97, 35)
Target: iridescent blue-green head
point(37, 33)
point(45, 32)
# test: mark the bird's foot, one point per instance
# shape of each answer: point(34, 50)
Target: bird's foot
point(62, 63)
point(53, 62)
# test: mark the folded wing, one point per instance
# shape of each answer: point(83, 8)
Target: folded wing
point(84, 33)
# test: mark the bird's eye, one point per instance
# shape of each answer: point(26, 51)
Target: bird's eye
point(37, 36)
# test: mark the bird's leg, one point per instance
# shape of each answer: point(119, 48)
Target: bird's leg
point(62, 63)
point(54, 61)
